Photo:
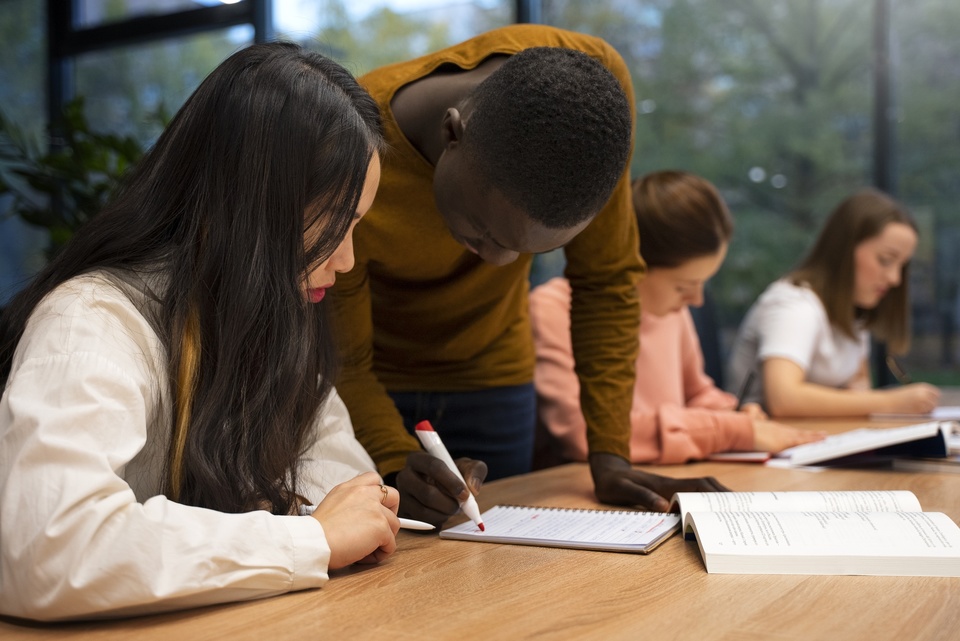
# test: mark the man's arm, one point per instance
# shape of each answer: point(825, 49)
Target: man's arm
point(604, 268)
point(376, 421)
point(429, 491)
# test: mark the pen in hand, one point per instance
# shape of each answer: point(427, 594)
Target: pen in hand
point(902, 377)
point(744, 388)
point(410, 524)
point(432, 443)
point(405, 524)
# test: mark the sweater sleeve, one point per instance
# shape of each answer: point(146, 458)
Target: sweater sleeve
point(691, 433)
point(666, 433)
point(604, 267)
point(699, 389)
point(378, 424)
point(706, 424)
point(558, 390)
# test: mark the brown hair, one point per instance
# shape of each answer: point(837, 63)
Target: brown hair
point(830, 271)
point(680, 216)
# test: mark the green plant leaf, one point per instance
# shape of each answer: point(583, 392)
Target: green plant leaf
point(61, 188)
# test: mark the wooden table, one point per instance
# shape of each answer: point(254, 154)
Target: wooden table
point(432, 589)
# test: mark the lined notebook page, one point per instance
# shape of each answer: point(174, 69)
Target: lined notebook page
point(613, 530)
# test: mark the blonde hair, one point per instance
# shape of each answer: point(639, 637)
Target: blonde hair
point(186, 385)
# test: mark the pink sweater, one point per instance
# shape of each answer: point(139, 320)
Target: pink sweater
point(678, 412)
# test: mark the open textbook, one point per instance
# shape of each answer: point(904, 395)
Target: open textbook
point(928, 440)
point(866, 445)
point(854, 532)
point(608, 530)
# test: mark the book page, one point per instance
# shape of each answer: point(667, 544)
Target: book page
point(837, 501)
point(841, 533)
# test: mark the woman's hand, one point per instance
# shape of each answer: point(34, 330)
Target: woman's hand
point(359, 519)
point(916, 398)
point(770, 436)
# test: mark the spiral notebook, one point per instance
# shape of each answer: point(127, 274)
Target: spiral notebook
point(582, 529)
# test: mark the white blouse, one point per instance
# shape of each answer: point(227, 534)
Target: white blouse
point(789, 321)
point(85, 421)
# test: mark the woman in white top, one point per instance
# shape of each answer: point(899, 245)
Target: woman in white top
point(803, 347)
point(167, 420)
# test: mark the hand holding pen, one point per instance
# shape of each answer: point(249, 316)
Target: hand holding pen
point(431, 491)
point(910, 397)
point(744, 389)
point(432, 443)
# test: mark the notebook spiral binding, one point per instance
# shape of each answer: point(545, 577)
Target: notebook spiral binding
point(584, 510)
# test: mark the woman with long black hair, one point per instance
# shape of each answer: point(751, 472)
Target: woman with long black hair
point(168, 418)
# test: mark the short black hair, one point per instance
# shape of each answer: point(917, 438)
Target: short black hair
point(551, 129)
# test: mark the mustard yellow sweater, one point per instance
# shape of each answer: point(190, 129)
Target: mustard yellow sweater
point(420, 312)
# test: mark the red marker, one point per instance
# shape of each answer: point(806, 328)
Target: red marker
point(432, 443)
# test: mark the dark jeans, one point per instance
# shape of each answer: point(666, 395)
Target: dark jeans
point(493, 425)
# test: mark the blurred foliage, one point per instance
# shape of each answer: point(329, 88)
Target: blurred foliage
point(62, 185)
point(772, 100)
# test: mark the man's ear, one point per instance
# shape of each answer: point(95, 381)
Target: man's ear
point(451, 128)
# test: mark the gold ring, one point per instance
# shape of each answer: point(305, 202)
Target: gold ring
point(383, 488)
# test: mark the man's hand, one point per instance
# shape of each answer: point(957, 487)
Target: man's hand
point(431, 492)
point(616, 482)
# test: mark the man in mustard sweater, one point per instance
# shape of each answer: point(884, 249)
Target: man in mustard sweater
point(512, 143)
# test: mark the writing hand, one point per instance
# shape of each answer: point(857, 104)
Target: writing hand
point(430, 492)
point(616, 482)
point(915, 398)
point(359, 521)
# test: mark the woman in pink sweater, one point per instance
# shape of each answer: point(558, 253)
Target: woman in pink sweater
point(678, 412)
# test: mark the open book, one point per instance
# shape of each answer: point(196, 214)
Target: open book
point(855, 532)
point(864, 445)
point(608, 530)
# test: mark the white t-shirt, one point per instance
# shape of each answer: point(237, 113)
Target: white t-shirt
point(789, 321)
point(85, 422)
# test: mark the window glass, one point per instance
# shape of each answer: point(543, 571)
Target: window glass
point(23, 105)
point(773, 102)
point(92, 13)
point(366, 34)
point(926, 59)
point(770, 100)
point(132, 90)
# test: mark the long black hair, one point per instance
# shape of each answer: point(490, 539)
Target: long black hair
point(274, 142)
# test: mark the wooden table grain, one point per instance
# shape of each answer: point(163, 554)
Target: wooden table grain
point(434, 589)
